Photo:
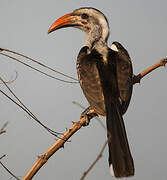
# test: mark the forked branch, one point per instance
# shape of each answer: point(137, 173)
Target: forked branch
point(95, 161)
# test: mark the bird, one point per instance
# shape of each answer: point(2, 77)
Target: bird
point(105, 76)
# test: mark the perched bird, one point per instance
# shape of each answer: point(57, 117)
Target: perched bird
point(105, 76)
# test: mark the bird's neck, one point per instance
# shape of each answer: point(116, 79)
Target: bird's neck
point(96, 40)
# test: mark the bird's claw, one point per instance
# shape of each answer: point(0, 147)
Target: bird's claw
point(87, 118)
point(88, 114)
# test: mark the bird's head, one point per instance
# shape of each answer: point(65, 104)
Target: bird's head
point(90, 20)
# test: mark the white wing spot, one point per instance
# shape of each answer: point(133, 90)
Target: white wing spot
point(112, 170)
point(114, 47)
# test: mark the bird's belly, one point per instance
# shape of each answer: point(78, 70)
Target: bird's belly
point(91, 85)
point(94, 97)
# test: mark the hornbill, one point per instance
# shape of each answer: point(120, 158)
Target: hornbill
point(105, 76)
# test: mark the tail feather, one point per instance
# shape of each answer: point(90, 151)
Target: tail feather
point(120, 158)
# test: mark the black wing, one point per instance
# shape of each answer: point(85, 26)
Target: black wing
point(90, 81)
point(124, 75)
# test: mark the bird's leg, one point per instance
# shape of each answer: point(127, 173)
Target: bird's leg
point(88, 114)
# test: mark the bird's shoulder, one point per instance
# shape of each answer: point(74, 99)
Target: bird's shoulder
point(121, 56)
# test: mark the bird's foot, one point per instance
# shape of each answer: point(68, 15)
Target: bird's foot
point(88, 114)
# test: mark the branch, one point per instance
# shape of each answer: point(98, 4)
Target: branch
point(24, 108)
point(35, 61)
point(95, 161)
point(55, 147)
point(160, 63)
point(7, 168)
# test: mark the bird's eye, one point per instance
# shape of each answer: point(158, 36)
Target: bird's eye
point(84, 16)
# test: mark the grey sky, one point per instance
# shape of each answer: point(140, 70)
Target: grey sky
point(141, 27)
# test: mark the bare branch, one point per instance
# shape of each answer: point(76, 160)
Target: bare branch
point(24, 108)
point(160, 63)
point(95, 161)
point(7, 168)
point(58, 144)
point(48, 75)
point(37, 62)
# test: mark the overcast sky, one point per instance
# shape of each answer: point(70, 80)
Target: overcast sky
point(141, 26)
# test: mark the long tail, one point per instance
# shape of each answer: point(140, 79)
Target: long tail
point(120, 158)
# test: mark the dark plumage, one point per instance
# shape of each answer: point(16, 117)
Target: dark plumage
point(124, 76)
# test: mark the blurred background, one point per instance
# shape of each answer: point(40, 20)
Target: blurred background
point(141, 27)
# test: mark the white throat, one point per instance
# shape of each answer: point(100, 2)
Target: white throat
point(97, 36)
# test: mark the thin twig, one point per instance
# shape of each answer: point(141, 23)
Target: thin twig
point(48, 75)
point(2, 156)
point(95, 161)
point(7, 168)
point(9, 171)
point(160, 63)
point(12, 79)
point(24, 108)
point(2, 130)
point(56, 146)
point(4, 126)
point(37, 62)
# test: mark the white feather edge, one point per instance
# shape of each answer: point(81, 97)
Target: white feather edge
point(114, 47)
point(112, 170)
